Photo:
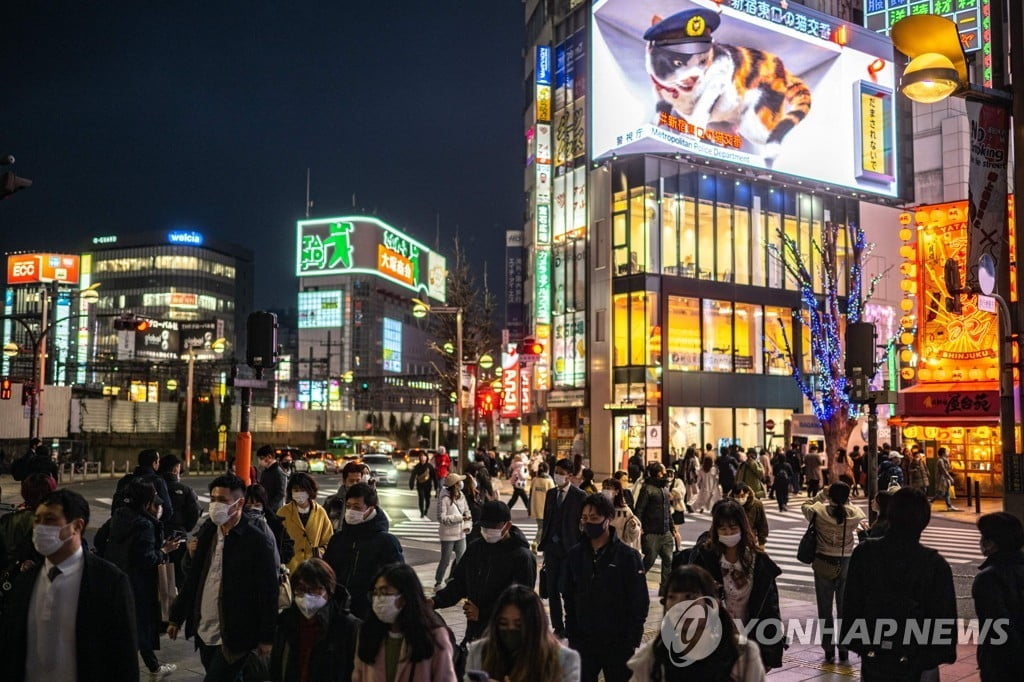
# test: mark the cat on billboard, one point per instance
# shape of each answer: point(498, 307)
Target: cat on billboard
point(772, 86)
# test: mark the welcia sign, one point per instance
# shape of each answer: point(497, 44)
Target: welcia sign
point(358, 244)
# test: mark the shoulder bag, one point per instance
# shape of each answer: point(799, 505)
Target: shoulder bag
point(808, 544)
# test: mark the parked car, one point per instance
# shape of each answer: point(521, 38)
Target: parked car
point(382, 468)
point(321, 462)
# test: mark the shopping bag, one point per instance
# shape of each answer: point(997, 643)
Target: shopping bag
point(167, 588)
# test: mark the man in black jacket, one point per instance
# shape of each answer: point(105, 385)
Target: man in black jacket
point(148, 461)
point(998, 596)
point(362, 546)
point(424, 478)
point(273, 478)
point(896, 578)
point(606, 599)
point(561, 532)
point(229, 600)
point(90, 632)
point(186, 511)
point(38, 460)
point(654, 509)
point(501, 557)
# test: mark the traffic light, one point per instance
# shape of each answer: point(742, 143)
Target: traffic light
point(531, 346)
point(130, 323)
point(261, 340)
point(365, 386)
point(11, 183)
point(5, 389)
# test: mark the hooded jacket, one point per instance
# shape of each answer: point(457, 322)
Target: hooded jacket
point(484, 572)
point(357, 552)
point(606, 598)
point(134, 546)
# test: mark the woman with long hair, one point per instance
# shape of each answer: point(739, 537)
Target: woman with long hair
point(708, 490)
point(476, 507)
point(455, 521)
point(402, 638)
point(539, 487)
point(747, 575)
point(735, 659)
point(836, 522)
point(519, 646)
point(624, 521)
point(305, 521)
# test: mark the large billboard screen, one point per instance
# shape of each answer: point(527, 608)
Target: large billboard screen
point(392, 345)
point(363, 245)
point(778, 89)
point(26, 268)
point(321, 309)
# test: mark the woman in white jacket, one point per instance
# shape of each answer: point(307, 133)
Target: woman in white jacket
point(709, 491)
point(736, 658)
point(456, 521)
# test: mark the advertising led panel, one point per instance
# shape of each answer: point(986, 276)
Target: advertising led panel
point(199, 335)
point(776, 88)
point(364, 245)
point(27, 268)
point(392, 346)
point(321, 309)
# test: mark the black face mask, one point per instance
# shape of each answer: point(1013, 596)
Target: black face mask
point(594, 530)
point(510, 640)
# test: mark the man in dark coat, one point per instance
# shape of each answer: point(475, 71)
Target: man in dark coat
point(727, 466)
point(238, 561)
point(91, 632)
point(606, 599)
point(423, 477)
point(186, 510)
point(896, 578)
point(148, 461)
point(37, 461)
point(362, 546)
point(560, 533)
point(998, 595)
point(274, 479)
point(501, 557)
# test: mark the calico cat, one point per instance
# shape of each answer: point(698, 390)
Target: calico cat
point(746, 89)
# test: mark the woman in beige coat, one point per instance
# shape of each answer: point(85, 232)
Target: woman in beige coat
point(539, 487)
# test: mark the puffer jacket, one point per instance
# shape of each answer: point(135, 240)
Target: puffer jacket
point(834, 539)
point(357, 552)
point(455, 518)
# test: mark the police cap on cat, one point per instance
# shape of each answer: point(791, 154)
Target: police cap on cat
point(686, 32)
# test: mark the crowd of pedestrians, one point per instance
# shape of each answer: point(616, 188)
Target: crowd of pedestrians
point(270, 584)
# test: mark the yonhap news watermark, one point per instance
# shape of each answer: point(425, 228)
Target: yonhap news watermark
point(692, 629)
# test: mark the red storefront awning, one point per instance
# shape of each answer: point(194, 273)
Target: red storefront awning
point(954, 401)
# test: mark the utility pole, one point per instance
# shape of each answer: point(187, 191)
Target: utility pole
point(327, 384)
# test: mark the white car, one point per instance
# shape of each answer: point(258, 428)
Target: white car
point(382, 469)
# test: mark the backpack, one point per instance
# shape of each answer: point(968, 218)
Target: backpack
point(121, 492)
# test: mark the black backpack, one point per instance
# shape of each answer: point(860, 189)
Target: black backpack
point(121, 492)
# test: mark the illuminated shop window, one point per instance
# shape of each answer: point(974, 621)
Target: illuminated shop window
point(778, 326)
point(635, 329)
point(717, 328)
point(747, 339)
point(682, 335)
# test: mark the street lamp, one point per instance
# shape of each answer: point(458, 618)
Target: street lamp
point(938, 69)
point(218, 347)
point(421, 310)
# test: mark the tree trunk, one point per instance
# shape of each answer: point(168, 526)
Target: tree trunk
point(837, 432)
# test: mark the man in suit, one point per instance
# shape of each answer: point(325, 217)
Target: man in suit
point(273, 479)
point(71, 617)
point(562, 508)
point(229, 600)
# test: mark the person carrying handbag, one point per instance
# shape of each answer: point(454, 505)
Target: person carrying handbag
point(943, 480)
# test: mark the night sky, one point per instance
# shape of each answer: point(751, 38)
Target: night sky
point(133, 115)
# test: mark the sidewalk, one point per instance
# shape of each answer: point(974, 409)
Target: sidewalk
point(967, 513)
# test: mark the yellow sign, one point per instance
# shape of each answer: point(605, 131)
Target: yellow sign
point(544, 103)
point(872, 130)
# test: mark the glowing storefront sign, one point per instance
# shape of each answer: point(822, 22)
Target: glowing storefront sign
point(392, 345)
point(542, 290)
point(360, 244)
point(29, 268)
point(509, 386)
point(321, 309)
point(185, 237)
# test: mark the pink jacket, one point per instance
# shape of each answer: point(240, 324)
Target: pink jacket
point(439, 668)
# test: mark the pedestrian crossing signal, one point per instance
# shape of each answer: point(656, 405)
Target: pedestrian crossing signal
point(5, 389)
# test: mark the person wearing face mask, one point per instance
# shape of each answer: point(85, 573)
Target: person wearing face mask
point(136, 545)
point(624, 521)
point(997, 593)
point(519, 645)
point(148, 462)
point(755, 512)
point(540, 484)
point(362, 546)
point(606, 598)
point(402, 639)
point(502, 557)
point(71, 616)
point(229, 599)
point(423, 478)
point(735, 659)
point(654, 509)
point(16, 551)
point(455, 522)
point(561, 532)
point(305, 521)
point(316, 636)
point(186, 510)
point(729, 552)
point(259, 512)
point(272, 477)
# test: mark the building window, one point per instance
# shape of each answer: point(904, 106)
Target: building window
point(717, 327)
point(683, 334)
point(747, 339)
point(778, 329)
point(635, 329)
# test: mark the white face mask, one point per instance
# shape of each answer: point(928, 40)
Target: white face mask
point(386, 608)
point(220, 512)
point(492, 535)
point(560, 480)
point(365, 478)
point(742, 499)
point(729, 540)
point(354, 517)
point(610, 494)
point(47, 540)
point(301, 498)
point(309, 604)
